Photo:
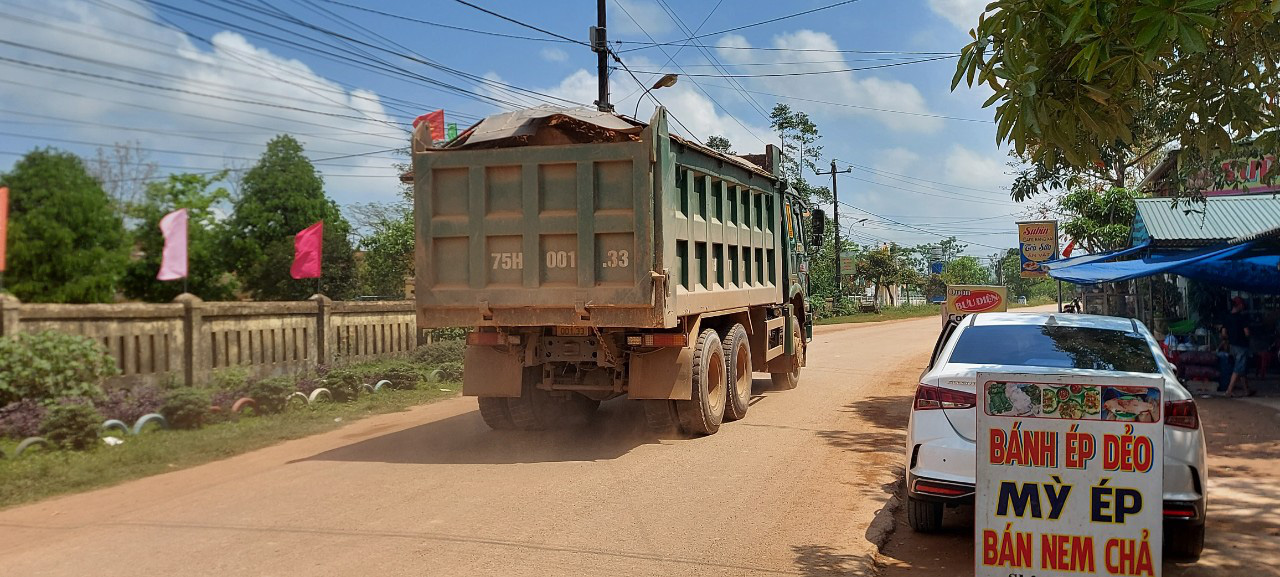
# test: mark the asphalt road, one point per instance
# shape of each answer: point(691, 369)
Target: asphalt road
point(794, 489)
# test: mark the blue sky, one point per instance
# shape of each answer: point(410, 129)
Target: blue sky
point(201, 85)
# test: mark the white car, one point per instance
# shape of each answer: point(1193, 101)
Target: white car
point(940, 436)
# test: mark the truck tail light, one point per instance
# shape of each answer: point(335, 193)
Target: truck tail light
point(929, 397)
point(491, 339)
point(1182, 414)
point(658, 340)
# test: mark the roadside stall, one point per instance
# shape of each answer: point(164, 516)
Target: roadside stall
point(1183, 268)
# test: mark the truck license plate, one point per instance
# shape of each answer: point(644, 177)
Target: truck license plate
point(572, 331)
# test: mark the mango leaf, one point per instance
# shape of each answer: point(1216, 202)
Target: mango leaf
point(1191, 39)
point(1149, 33)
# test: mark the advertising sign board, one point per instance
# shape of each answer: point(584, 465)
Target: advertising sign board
point(1069, 475)
point(1038, 242)
point(966, 299)
point(848, 262)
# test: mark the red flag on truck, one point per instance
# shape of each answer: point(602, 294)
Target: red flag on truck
point(435, 124)
point(307, 248)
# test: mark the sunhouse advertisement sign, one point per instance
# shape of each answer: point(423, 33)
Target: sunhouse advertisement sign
point(1069, 476)
point(1037, 243)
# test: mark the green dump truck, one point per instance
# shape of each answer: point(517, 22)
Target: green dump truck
point(597, 257)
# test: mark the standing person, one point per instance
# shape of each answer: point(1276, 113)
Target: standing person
point(1236, 331)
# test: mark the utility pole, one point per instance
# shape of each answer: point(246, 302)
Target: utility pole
point(835, 203)
point(600, 45)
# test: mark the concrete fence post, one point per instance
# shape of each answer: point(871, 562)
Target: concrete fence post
point(10, 315)
point(192, 322)
point(324, 329)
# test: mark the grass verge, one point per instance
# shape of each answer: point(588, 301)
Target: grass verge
point(40, 474)
point(911, 312)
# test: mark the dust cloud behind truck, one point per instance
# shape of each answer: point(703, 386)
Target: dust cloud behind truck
point(599, 257)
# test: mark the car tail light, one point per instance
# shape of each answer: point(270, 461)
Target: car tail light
point(1181, 414)
point(1179, 511)
point(929, 397)
point(942, 489)
point(491, 339)
point(658, 340)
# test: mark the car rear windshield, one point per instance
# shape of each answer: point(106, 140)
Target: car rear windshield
point(1054, 346)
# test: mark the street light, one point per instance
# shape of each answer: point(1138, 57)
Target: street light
point(667, 81)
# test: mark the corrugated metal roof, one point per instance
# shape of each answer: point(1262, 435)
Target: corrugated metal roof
point(1218, 219)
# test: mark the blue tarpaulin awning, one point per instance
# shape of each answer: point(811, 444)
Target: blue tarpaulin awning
point(1232, 266)
point(1088, 258)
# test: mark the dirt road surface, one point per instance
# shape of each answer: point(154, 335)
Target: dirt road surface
point(794, 489)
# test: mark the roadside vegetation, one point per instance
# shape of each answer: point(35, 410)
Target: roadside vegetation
point(93, 436)
point(911, 312)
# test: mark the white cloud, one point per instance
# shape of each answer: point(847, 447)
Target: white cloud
point(636, 17)
point(962, 14)
point(968, 168)
point(691, 107)
point(554, 54)
point(853, 89)
point(198, 108)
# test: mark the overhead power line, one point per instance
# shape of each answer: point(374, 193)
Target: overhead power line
point(776, 49)
point(754, 24)
point(519, 23)
point(918, 229)
point(810, 72)
point(695, 83)
point(448, 26)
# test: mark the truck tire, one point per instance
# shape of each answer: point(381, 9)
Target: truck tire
point(533, 409)
point(703, 413)
point(737, 358)
point(660, 415)
point(1184, 544)
point(577, 410)
point(791, 379)
point(924, 516)
point(494, 412)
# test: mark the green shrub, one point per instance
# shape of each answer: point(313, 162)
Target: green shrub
point(270, 394)
point(440, 352)
point(49, 365)
point(344, 383)
point(72, 426)
point(448, 334)
point(403, 375)
point(233, 379)
point(186, 408)
point(452, 371)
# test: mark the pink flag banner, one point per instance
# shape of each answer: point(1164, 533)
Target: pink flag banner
point(4, 222)
point(307, 249)
point(173, 262)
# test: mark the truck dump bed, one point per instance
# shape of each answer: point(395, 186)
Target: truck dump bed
point(632, 232)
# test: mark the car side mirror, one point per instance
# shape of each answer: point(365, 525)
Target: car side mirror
point(819, 226)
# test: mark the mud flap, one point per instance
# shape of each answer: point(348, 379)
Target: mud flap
point(661, 374)
point(490, 372)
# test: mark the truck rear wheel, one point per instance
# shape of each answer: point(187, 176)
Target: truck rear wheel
point(703, 413)
point(737, 354)
point(577, 410)
point(494, 412)
point(533, 410)
point(791, 379)
point(660, 415)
